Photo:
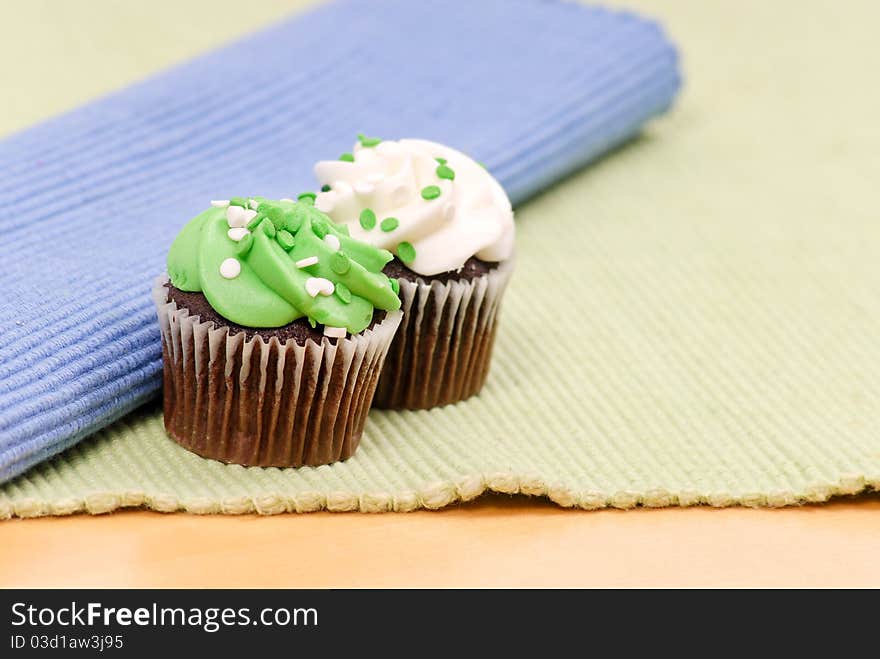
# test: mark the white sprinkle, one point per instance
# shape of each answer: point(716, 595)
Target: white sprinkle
point(315, 285)
point(335, 332)
point(237, 216)
point(332, 241)
point(237, 233)
point(219, 203)
point(363, 188)
point(230, 268)
point(287, 199)
point(324, 202)
point(306, 262)
point(253, 203)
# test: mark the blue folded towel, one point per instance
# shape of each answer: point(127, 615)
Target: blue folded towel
point(92, 199)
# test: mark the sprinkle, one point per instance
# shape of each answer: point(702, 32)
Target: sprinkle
point(364, 188)
point(335, 332)
point(253, 203)
point(285, 239)
point(256, 221)
point(238, 201)
point(325, 188)
point(306, 195)
point(237, 216)
point(395, 286)
point(339, 263)
point(292, 222)
point(368, 219)
point(346, 157)
point(315, 285)
point(244, 245)
point(431, 192)
point(237, 233)
point(343, 293)
point(368, 141)
point(268, 227)
point(406, 252)
point(332, 241)
point(483, 165)
point(319, 227)
point(442, 161)
point(445, 171)
point(306, 262)
point(230, 268)
point(219, 203)
point(389, 224)
point(287, 199)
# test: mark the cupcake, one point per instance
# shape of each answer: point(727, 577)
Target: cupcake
point(275, 325)
point(450, 228)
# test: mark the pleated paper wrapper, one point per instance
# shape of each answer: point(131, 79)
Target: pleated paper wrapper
point(261, 402)
point(443, 349)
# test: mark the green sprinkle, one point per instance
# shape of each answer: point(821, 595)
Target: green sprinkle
point(431, 192)
point(368, 141)
point(254, 223)
point(444, 171)
point(482, 164)
point(292, 222)
point(343, 229)
point(341, 291)
point(368, 219)
point(390, 224)
point(307, 196)
point(442, 161)
point(274, 213)
point(346, 157)
point(319, 226)
point(239, 201)
point(312, 322)
point(339, 263)
point(325, 188)
point(285, 239)
point(406, 252)
point(395, 286)
point(244, 245)
point(268, 227)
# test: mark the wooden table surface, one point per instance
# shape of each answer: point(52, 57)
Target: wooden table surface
point(496, 541)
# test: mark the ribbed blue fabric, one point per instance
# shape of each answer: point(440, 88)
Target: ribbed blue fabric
point(93, 199)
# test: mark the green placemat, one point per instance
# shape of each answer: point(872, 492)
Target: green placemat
point(694, 320)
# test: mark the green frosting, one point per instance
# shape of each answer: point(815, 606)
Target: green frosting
point(270, 290)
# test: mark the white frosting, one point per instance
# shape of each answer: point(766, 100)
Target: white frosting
point(471, 217)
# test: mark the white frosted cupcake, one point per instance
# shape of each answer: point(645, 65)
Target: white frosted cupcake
point(450, 227)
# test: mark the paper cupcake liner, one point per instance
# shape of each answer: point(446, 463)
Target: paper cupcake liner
point(441, 352)
point(262, 402)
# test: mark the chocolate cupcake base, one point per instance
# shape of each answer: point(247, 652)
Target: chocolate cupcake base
point(266, 402)
point(441, 352)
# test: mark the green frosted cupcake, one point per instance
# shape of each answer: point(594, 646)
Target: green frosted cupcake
point(275, 326)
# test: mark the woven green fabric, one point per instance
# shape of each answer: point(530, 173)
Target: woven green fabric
point(693, 320)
